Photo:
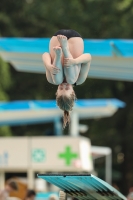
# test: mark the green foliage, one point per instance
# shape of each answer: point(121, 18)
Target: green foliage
point(5, 83)
point(5, 80)
point(93, 19)
point(5, 131)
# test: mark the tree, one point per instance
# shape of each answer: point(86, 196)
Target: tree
point(5, 83)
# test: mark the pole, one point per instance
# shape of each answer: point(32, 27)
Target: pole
point(74, 127)
point(57, 126)
point(30, 176)
point(108, 168)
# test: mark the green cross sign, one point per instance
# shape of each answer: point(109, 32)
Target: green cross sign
point(68, 155)
point(38, 155)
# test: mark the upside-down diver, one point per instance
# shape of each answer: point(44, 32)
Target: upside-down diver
point(66, 66)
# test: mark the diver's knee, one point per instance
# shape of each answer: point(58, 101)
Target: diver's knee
point(71, 81)
point(58, 82)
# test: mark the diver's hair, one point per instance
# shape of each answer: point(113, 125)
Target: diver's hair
point(66, 118)
point(66, 103)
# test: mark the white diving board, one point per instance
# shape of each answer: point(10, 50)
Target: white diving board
point(83, 187)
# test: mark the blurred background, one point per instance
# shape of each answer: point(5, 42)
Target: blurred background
point(93, 19)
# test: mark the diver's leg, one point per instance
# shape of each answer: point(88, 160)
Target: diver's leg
point(49, 77)
point(47, 62)
point(54, 72)
point(64, 45)
point(58, 77)
point(72, 71)
point(56, 57)
point(85, 67)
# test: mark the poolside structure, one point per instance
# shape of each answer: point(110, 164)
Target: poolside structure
point(112, 58)
point(50, 154)
point(32, 112)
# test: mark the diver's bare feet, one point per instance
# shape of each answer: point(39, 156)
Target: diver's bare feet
point(64, 45)
point(63, 41)
point(58, 55)
point(58, 51)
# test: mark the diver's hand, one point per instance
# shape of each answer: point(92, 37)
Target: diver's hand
point(69, 61)
point(53, 70)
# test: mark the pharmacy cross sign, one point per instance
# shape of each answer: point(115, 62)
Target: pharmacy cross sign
point(68, 155)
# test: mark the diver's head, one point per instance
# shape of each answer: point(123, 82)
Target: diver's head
point(65, 89)
point(65, 98)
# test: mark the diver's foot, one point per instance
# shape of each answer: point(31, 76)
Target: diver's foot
point(64, 45)
point(58, 51)
point(63, 41)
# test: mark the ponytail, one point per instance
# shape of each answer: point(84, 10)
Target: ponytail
point(66, 104)
point(66, 118)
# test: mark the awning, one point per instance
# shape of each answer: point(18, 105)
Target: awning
point(111, 58)
point(33, 111)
